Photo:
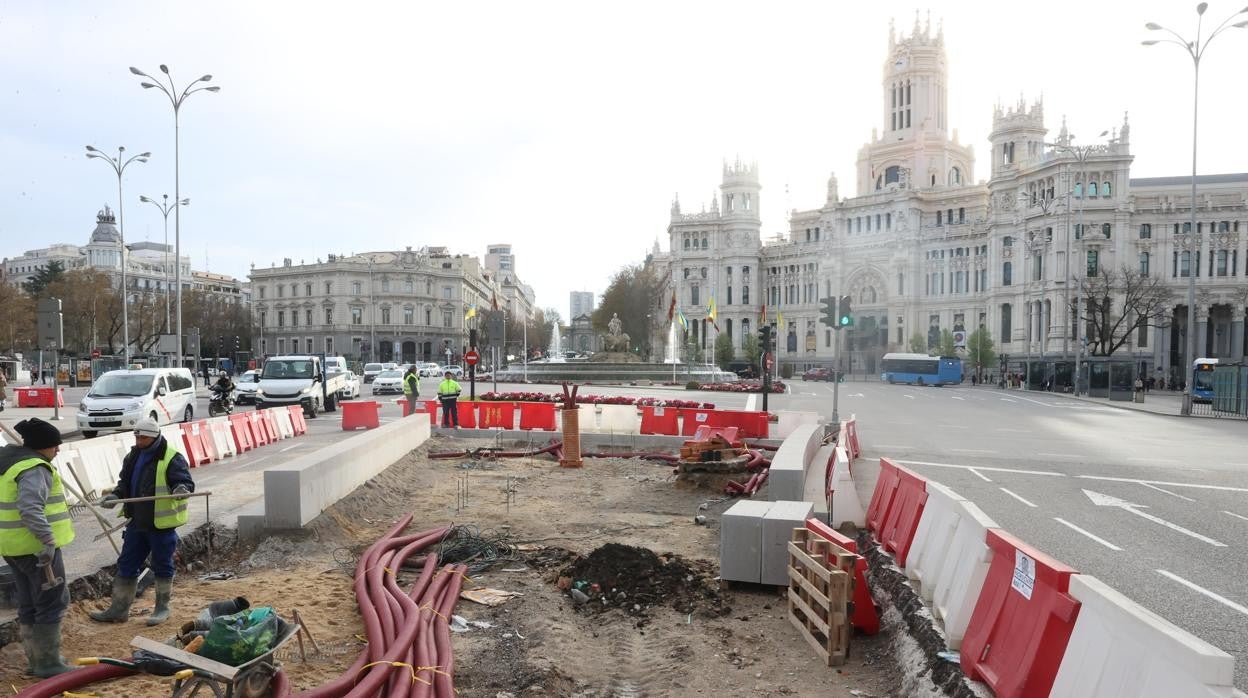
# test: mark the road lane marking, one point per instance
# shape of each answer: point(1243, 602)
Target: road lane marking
point(749, 403)
point(1020, 431)
point(1044, 404)
point(1238, 516)
point(290, 447)
point(1006, 399)
point(982, 467)
point(1094, 537)
point(979, 475)
point(971, 450)
point(1024, 501)
point(1224, 488)
point(908, 396)
point(1172, 494)
point(1104, 500)
point(955, 397)
point(1199, 589)
point(1153, 460)
point(1060, 455)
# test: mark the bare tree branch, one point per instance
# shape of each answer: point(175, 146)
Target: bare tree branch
point(1117, 303)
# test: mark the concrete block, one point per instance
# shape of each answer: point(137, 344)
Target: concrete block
point(619, 419)
point(778, 525)
point(741, 541)
point(787, 481)
point(815, 488)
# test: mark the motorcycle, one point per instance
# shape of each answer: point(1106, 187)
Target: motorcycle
point(220, 404)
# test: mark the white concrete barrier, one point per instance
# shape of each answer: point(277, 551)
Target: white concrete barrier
point(787, 481)
point(587, 419)
point(98, 464)
point(741, 541)
point(962, 573)
point(778, 525)
point(933, 537)
point(173, 434)
point(619, 419)
point(299, 490)
point(846, 506)
point(219, 427)
point(1120, 649)
point(285, 429)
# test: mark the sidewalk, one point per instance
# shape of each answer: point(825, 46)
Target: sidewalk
point(1163, 403)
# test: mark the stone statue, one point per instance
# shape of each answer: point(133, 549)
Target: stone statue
point(614, 326)
point(616, 339)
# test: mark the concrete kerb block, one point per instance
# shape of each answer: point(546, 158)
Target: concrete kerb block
point(846, 506)
point(1120, 649)
point(933, 537)
point(741, 541)
point(778, 525)
point(619, 419)
point(787, 481)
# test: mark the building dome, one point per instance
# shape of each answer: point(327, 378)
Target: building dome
point(105, 232)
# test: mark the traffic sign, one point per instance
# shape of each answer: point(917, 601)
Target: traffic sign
point(472, 357)
point(95, 353)
point(770, 362)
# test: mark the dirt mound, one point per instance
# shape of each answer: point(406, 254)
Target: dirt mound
point(633, 580)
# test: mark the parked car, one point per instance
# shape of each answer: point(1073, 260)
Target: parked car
point(245, 388)
point(455, 371)
point(371, 371)
point(817, 374)
point(428, 368)
point(389, 366)
point(352, 388)
point(119, 399)
point(388, 382)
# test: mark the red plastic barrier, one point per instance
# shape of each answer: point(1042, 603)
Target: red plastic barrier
point(241, 433)
point(1022, 622)
point(903, 516)
point(752, 425)
point(205, 438)
point(270, 424)
point(467, 414)
point(431, 406)
point(541, 415)
point(497, 415)
point(297, 422)
point(692, 419)
point(194, 445)
point(851, 430)
point(882, 497)
point(730, 434)
point(259, 434)
point(39, 397)
point(660, 420)
point(866, 618)
point(357, 414)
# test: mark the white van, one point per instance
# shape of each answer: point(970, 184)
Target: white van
point(119, 399)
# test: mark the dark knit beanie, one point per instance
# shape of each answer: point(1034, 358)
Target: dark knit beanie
point(38, 434)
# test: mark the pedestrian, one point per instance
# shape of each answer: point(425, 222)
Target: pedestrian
point(411, 389)
point(4, 382)
point(448, 393)
point(1161, 383)
point(34, 526)
point(153, 467)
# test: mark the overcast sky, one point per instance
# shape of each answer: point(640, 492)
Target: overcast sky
point(561, 128)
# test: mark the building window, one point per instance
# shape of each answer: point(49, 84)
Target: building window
point(428, 287)
point(408, 287)
point(1142, 337)
point(409, 316)
point(446, 318)
point(281, 345)
point(686, 243)
point(357, 316)
point(1037, 267)
point(385, 285)
point(1146, 231)
point(1185, 264)
point(307, 289)
point(961, 215)
point(307, 317)
point(1007, 322)
point(745, 295)
point(262, 292)
point(329, 346)
point(329, 288)
point(446, 292)
point(901, 283)
point(1221, 261)
point(264, 319)
point(1093, 263)
point(940, 218)
point(1078, 190)
point(281, 291)
point(308, 341)
point(704, 245)
point(729, 296)
point(695, 297)
point(1143, 264)
point(329, 316)
point(1007, 273)
point(1105, 189)
point(1106, 230)
point(703, 272)
point(355, 288)
point(281, 318)
point(294, 318)
point(1091, 189)
point(385, 316)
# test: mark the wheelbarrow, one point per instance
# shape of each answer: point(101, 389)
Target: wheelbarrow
point(193, 672)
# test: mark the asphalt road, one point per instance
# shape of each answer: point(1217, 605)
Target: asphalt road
point(1061, 474)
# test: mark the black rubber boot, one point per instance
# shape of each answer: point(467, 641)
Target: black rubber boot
point(123, 597)
point(164, 592)
point(45, 639)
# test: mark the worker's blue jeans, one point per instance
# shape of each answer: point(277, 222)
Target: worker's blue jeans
point(137, 545)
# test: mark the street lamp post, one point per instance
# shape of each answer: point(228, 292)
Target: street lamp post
point(165, 207)
point(119, 165)
point(176, 102)
point(1196, 50)
point(1081, 154)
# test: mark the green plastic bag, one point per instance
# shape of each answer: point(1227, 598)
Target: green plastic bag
point(241, 637)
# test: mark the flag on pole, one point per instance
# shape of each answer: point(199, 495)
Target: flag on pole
point(684, 321)
point(712, 313)
point(472, 312)
point(671, 307)
point(762, 314)
point(780, 320)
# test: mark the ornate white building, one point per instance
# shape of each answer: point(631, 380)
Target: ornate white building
point(921, 247)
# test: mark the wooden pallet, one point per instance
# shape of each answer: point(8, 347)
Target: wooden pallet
point(819, 594)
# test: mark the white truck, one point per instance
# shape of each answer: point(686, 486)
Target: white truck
point(301, 379)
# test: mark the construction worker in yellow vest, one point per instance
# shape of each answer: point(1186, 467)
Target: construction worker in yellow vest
point(448, 393)
point(151, 469)
point(34, 526)
point(411, 389)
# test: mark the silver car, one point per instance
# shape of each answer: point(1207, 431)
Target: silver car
point(245, 388)
point(388, 382)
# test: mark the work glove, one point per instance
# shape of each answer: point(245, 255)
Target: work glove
point(109, 501)
point(46, 555)
point(181, 489)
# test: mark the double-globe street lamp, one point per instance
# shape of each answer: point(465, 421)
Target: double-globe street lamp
point(176, 100)
point(1196, 50)
point(165, 207)
point(119, 165)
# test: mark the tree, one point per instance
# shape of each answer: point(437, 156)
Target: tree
point(946, 347)
point(979, 350)
point(1118, 303)
point(693, 352)
point(44, 276)
point(918, 343)
point(90, 308)
point(724, 353)
point(752, 350)
point(17, 321)
point(633, 294)
point(545, 323)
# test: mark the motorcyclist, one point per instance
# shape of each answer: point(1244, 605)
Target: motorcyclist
point(225, 386)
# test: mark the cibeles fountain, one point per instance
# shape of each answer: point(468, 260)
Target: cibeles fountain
point(615, 364)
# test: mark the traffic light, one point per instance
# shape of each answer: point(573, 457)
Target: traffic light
point(830, 313)
point(764, 337)
point(845, 317)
